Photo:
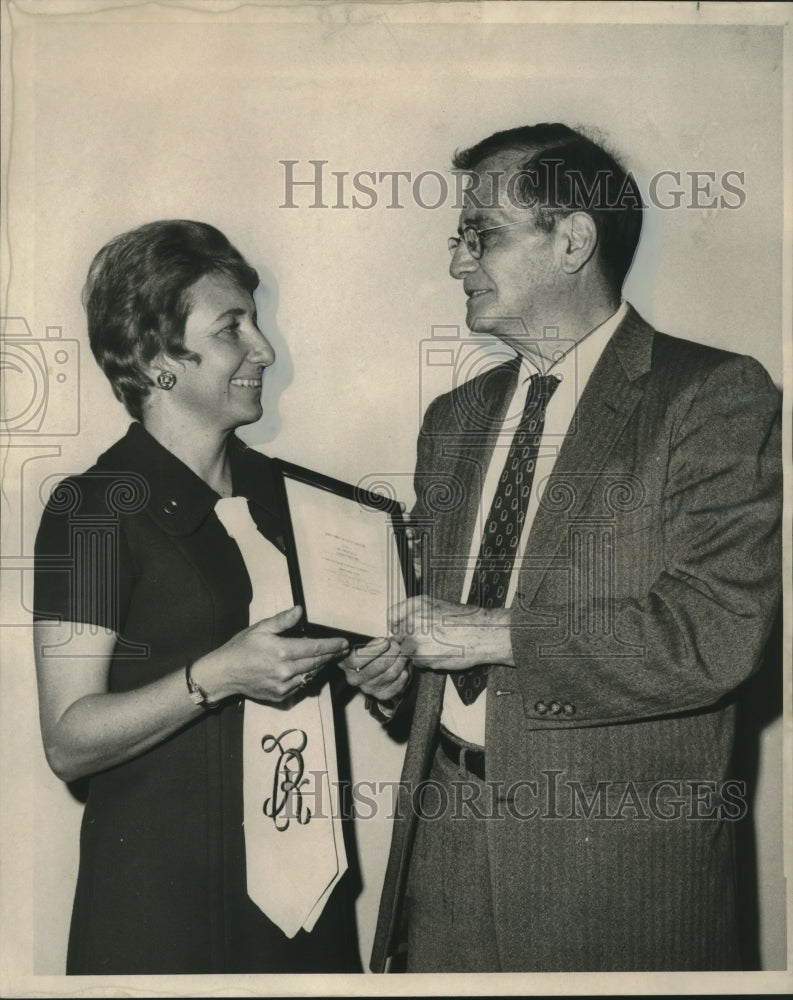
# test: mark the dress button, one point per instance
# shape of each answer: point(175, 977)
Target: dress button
point(540, 707)
point(569, 709)
point(555, 708)
point(170, 507)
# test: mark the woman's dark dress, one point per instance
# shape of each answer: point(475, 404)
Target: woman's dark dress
point(134, 545)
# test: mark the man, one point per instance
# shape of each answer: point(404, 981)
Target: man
point(601, 569)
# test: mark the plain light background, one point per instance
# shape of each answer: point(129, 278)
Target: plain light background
point(159, 111)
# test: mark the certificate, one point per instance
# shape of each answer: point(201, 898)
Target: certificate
point(347, 553)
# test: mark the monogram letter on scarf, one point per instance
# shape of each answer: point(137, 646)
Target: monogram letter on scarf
point(294, 850)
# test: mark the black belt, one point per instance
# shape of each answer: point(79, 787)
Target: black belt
point(472, 761)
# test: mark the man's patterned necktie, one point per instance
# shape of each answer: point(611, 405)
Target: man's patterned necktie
point(504, 526)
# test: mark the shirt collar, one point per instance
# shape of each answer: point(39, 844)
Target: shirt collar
point(583, 353)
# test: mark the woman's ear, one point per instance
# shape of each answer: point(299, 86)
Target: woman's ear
point(163, 371)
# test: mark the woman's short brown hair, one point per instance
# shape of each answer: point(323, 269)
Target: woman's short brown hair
point(136, 297)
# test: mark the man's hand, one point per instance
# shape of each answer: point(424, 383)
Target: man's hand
point(380, 669)
point(438, 635)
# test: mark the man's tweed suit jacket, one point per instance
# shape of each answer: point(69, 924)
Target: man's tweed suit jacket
point(649, 583)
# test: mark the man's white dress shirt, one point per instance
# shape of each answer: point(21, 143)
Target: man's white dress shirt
point(573, 369)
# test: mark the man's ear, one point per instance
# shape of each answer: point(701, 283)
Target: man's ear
point(579, 239)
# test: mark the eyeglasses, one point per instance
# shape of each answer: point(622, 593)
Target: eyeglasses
point(471, 236)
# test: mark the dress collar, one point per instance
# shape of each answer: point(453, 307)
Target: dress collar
point(178, 500)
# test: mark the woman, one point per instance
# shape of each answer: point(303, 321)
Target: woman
point(145, 655)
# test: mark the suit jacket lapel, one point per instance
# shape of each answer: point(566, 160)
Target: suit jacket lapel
point(606, 405)
point(479, 415)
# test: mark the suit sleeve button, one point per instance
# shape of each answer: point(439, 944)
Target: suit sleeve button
point(555, 708)
point(568, 709)
point(540, 707)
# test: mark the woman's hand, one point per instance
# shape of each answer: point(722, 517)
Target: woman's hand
point(379, 669)
point(262, 664)
point(439, 635)
point(87, 729)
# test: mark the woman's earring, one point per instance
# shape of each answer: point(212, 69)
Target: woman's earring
point(166, 380)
